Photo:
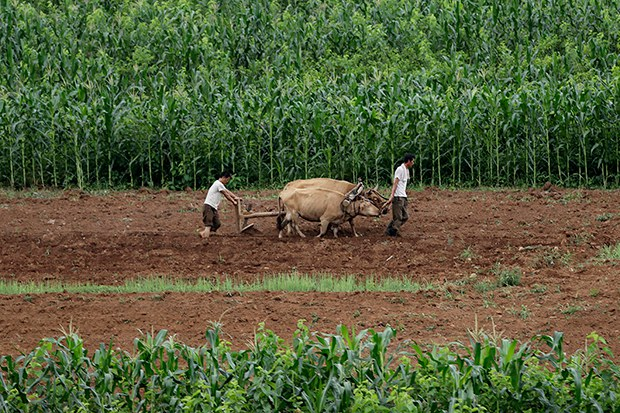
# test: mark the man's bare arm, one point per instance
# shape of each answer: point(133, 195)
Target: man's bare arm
point(231, 197)
point(394, 186)
point(389, 201)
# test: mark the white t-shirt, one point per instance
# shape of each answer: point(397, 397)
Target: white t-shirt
point(214, 196)
point(402, 173)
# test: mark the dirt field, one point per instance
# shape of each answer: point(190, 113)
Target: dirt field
point(456, 242)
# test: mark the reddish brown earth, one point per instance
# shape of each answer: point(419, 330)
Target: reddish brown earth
point(454, 242)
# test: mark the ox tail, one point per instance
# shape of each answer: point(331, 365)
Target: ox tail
point(280, 219)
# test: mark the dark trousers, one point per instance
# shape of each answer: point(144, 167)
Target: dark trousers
point(210, 217)
point(399, 215)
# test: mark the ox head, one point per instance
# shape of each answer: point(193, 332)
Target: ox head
point(363, 206)
point(356, 203)
point(377, 199)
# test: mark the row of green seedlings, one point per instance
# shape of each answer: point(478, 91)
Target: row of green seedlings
point(347, 371)
point(167, 96)
point(279, 282)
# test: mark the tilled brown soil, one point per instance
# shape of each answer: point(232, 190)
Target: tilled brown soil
point(455, 245)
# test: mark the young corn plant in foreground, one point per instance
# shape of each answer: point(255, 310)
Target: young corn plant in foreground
point(346, 371)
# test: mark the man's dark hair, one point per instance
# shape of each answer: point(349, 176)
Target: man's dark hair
point(408, 157)
point(224, 174)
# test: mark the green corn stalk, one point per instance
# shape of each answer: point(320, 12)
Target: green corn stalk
point(314, 60)
point(316, 373)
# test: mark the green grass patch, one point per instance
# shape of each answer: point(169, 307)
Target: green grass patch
point(570, 309)
point(507, 277)
point(523, 313)
point(292, 282)
point(467, 254)
point(539, 289)
point(610, 252)
point(6, 193)
point(485, 286)
point(604, 217)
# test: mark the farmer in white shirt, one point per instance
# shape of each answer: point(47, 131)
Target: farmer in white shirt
point(398, 198)
point(210, 216)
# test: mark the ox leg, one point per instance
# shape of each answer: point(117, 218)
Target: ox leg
point(335, 229)
point(355, 234)
point(324, 227)
point(296, 227)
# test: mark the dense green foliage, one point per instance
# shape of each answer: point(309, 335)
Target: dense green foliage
point(322, 373)
point(167, 93)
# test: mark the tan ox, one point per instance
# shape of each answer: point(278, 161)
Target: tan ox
point(327, 183)
point(343, 187)
point(322, 205)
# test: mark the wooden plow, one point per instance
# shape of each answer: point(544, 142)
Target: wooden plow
point(241, 217)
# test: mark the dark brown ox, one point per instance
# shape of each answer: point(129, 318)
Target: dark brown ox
point(344, 187)
point(329, 207)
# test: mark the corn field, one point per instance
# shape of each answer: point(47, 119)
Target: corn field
point(327, 373)
point(114, 93)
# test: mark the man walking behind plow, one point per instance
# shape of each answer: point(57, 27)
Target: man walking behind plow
point(398, 197)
